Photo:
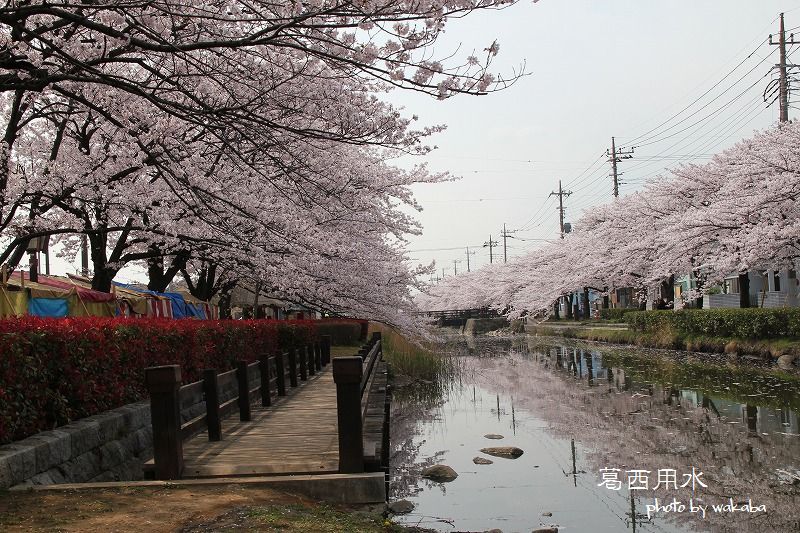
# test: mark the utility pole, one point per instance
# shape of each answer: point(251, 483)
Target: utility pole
point(455, 266)
point(491, 244)
point(506, 234)
point(782, 67)
point(469, 254)
point(561, 194)
point(615, 156)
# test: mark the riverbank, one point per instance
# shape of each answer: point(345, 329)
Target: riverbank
point(184, 509)
point(785, 351)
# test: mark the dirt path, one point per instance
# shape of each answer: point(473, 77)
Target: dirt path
point(169, 509)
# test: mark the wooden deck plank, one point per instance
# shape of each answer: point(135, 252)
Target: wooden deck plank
point(297, 435)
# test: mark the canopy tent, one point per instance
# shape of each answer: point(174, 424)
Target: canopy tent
point(198, 308)
point(20, 297)
point(131, 303)
point(157, 305)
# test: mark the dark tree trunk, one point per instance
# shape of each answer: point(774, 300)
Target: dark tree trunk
point(744, 290)
point(667, 289)
point(556, 312)
point(102, 277)
point(568, 300)
point(160, 277)
point(606, 304)
point(586, 312)
point(225, 305)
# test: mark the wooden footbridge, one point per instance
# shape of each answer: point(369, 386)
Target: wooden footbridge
point(300, 413)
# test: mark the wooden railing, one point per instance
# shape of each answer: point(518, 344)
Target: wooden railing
point(355, 380)
point(219, 395)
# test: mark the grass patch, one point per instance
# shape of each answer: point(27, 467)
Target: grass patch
point(319, 518)
point(667, 337)
point(417, 360)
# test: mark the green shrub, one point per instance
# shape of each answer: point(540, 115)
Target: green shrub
point(615, 315)
point(737, 323)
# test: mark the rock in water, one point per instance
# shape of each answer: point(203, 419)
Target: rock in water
point(401, 507)
point(546, 530)
point(494, 436)
point(508, 452)
point(440, 473)
point(786, 361)
point(482, 461)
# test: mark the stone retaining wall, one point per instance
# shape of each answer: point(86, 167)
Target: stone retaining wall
point(108, 446)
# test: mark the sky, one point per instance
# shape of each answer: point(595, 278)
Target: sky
point(678, 80)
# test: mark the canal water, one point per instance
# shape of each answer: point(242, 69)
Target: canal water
point(605, 433)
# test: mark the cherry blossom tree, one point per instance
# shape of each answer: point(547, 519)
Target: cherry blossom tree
point(732, 215)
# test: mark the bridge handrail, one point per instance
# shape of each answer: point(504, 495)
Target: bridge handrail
point(353, 376)
point(264, 378)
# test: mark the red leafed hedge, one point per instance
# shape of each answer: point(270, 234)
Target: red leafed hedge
point(53, 371)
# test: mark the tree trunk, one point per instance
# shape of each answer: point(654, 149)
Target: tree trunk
point(744, 290)
point(102, 277)
point(667, 289)
point(225, 305)
point(699, 282)
point(556, 311)
point(159, 277)
point(568, 300)
point(586, 312)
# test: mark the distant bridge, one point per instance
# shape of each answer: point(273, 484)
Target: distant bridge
point(457, 317)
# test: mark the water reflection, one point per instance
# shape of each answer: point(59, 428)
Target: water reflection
point(576, 409)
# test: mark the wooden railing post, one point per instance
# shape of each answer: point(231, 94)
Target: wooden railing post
point(211, 394)
point(377, 338)
point(280, 374)
point(244, 391)
point(347, 376)
point(312, 366)
point(163, 384)
point(302, 362)
point(293, 367)
point(318, 355)
point(326, 349)
point(263, 369)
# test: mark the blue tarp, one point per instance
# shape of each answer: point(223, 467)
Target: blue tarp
point(48, 307)
point(197, 311)
point(179, 305)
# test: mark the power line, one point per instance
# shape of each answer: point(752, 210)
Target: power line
point(696, 100)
